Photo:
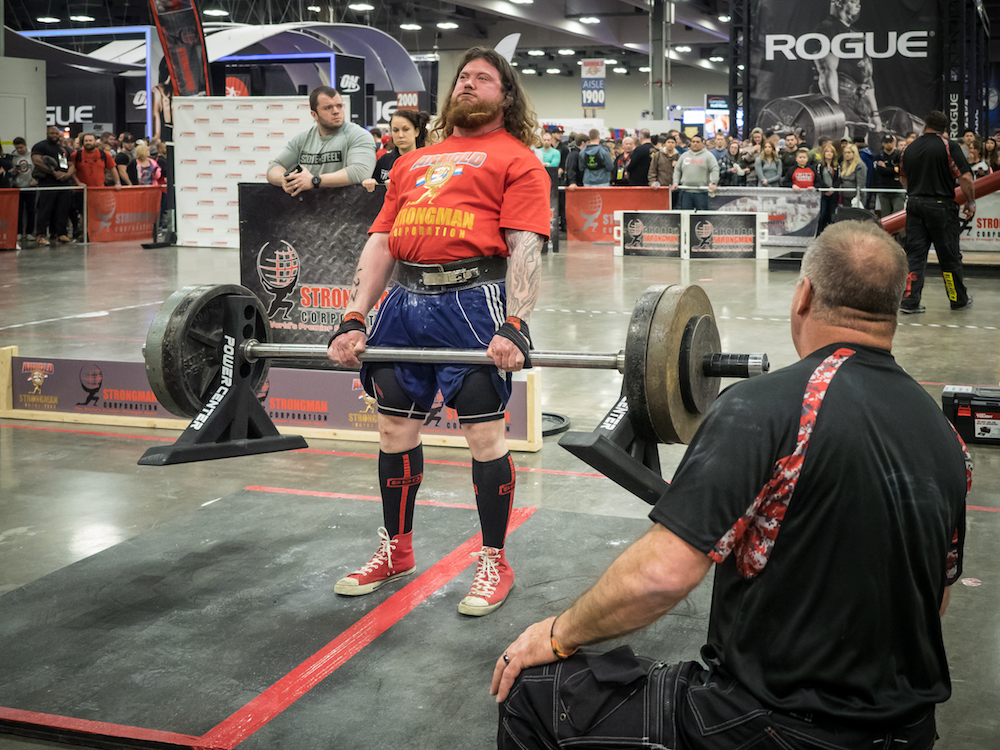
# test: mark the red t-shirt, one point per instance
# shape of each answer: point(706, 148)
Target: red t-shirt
point(449, 201)
point(90, 166)
point(804, 177)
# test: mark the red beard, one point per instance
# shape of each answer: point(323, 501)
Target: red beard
point(473, 115)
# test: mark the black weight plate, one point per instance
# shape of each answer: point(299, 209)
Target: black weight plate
point(554, 424)
point(184, 345)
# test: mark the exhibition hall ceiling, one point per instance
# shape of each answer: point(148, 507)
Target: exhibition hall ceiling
point(564, 31)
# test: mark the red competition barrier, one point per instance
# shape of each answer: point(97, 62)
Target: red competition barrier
point(8, 218)
point(896, 222)
point(126, 214)
point(590, 211)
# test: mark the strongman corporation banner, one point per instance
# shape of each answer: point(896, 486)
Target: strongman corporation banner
point(298, 255)
point(842, 64)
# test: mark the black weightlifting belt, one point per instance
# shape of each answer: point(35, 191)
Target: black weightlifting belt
point(438, 278)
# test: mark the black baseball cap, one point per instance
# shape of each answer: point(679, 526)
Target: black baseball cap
point(888, 137)
point(128, 138)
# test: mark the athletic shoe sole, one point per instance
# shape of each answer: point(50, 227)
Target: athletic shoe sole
point(912, 310)
point(350, 587)
point(468, 605)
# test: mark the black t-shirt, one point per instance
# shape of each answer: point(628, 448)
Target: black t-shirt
point(638, 168)
point(866, 481)
point(931, 164)
point(384, 164)
point(59, 154)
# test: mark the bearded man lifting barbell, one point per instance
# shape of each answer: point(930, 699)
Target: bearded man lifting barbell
point(462, 226)
point(830, 497)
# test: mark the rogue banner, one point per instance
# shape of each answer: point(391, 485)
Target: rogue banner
point(183, 41)
point(845, 67)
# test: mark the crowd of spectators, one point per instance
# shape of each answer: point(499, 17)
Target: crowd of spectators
point(845, 172)
point(88, 160)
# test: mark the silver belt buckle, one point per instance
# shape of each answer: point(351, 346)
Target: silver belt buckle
point(446, 278)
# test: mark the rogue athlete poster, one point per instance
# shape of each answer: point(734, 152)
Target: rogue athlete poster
point(846, 67)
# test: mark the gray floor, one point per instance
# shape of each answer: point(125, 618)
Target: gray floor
point(65, 496)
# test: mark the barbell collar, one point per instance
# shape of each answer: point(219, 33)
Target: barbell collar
point(254, 350)
point(721, 365)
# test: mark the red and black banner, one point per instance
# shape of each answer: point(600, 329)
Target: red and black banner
point(183, 40)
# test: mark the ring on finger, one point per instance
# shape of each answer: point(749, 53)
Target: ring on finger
point(506, 659)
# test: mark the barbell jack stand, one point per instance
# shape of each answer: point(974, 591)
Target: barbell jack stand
point(233, 422)
point(623, 455)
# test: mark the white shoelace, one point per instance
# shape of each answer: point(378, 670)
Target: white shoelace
point(383, 555)
point(487, 574)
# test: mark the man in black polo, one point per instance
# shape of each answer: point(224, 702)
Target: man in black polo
point(834, 536)
point(928, 170)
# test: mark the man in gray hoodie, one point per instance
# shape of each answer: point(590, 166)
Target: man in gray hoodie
point(696, 168)
point(332, 153)
point(596, 162)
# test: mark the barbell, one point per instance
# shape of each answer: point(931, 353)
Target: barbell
point(672, 363)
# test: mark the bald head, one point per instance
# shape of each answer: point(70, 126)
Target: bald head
point(857, 273)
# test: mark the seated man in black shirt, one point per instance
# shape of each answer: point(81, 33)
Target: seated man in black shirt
point(834, 535)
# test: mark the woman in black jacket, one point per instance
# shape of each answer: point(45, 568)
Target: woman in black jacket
point(827, 178)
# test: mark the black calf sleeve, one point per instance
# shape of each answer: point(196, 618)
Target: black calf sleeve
point(399, 477)
point(494, 485)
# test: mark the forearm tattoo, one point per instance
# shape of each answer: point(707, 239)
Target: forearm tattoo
point(523, 272)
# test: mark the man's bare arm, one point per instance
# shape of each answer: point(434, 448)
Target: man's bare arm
point(649, 579)
point(645, 583)
point(523, 272)
point(372, 275)
point(828, 83)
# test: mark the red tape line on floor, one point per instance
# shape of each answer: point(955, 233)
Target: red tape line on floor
point(343, 496)
point(96, 728)
point(262, 709)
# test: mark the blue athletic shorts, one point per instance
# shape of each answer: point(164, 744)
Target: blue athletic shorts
point(465, 319)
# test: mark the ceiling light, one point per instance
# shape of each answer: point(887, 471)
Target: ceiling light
point(218, 12)
point(81, 18)
point(610, 61)
point(410, 26)
point(361, 7)
point(590, 19)
point(529, 71)
point(579, 62)
point(620, 70)
point(522, 2)
point(741, 66)
point(553, 71)
point(447, 25)
point(536, 52)
point(725, 19)
point(47, 19)
point(513, 63)
point(682, 48)
point(716, 58)
point(567, 52)
point(314, 8)
point(644, 69)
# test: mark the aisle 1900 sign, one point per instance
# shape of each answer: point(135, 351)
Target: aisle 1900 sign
point(592, 81)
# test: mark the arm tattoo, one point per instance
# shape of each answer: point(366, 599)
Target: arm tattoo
point(523, 272)
point(353, 294)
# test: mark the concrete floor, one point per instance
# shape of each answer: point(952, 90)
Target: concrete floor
point(65, 496)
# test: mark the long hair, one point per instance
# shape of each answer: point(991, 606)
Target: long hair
point(519, 117)
point(847, 168)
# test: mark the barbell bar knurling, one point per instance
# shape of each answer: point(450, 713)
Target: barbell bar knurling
point(719, 365)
